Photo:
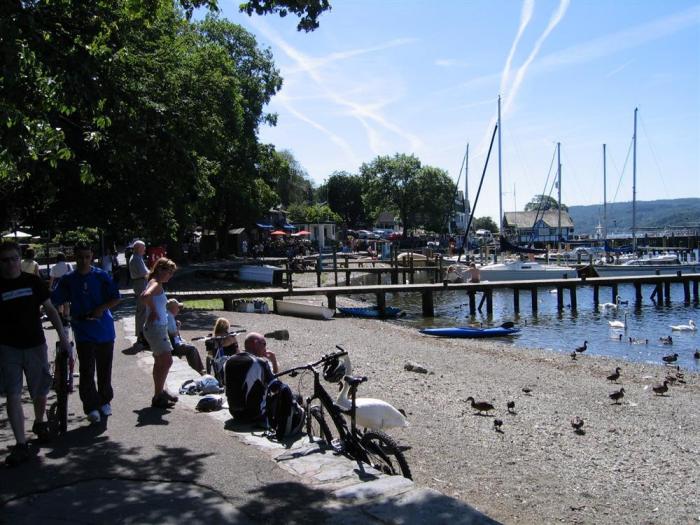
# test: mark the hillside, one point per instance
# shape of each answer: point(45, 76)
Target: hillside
point(650, 214)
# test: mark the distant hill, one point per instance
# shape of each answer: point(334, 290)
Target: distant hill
point(650, 214)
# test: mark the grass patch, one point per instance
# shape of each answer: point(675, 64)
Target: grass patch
point(205, 304)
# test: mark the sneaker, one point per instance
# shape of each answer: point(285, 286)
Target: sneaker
point(167, 395)
point(41, 429)
point(160, 401)
point(18, 455)
point(106, 410)
point(94, 417)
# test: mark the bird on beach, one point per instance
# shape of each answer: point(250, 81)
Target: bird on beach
point(573, 355)
point(670, 358)
point(690, 327)
point(661, 389)
point(668, 340)
point(497, 423)
point(615, 375)
point(511, 407)
point(577, 424)
point(671, 379)
point(527, 391)
point(617, 396)
point(480, 406)
point(583, 348)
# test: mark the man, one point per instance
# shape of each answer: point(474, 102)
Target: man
point(91, 293)
point(138, 271)
point(23, 347)
point(247, 375)
point(180, 346)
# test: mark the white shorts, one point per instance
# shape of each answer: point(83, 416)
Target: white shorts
point(157, 337)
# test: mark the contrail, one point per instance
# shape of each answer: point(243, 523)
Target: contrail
point(525, 17)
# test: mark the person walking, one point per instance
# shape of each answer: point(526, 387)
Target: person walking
point(29, 265)
point(138, 271)
point(23, 348)
point(155, 329)
point(92, 294)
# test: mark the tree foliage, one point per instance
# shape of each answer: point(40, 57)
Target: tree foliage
point(544, 203)
point(485, 223)
point(344, 194)
point(314, 213)
point(308, 11)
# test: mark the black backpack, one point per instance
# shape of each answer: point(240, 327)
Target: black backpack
point(285, 416)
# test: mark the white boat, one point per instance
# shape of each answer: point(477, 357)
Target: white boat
point(260, 274)
point(404, 259)
point(309, 310)
point(667, 264)
point(525, 271)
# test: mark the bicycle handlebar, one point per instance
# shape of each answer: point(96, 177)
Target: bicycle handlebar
point(312, 366)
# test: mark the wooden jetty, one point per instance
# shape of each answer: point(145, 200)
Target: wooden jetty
point(661, 285)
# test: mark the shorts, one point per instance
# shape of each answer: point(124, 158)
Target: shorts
point(158, 339)
point(33, 362)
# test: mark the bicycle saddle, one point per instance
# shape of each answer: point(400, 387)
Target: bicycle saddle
point(353, 381)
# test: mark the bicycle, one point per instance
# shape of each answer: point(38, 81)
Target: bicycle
point(372, 447)
point(62, 384)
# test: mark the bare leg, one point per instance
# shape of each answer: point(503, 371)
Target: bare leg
point(16, 416)
point(161, 366)
point(39, 408)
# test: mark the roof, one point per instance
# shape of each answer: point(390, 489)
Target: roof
point(385, 216)
point(526, 219)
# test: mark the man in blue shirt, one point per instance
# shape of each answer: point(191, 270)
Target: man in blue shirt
point(91, 293)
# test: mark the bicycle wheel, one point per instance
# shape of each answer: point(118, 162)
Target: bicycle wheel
point(61, 381)
point(316, 426)
point(384, 454)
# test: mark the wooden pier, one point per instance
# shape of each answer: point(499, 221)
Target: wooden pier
point(660, 284)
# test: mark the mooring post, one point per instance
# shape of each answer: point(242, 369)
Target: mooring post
point(686, 292)
point(614, 293)
point(533, 297)
point(228, 304)
point(560, 298)
point(319, 267)
point(428, 306)
point(381, 303)
point(667, 291)
point(489, 301)
point(572, 297)
point(596, 296)
point(379, 278)
point(331, 300)
point(472, 302)
point(695, 291)
point(441, 276)
point(347, 277)
point(410, 262)
point(335, 265)
point(516, 300)
point(638, 293)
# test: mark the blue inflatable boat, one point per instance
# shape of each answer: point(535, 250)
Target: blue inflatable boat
point(470, 332)
point(372, 312)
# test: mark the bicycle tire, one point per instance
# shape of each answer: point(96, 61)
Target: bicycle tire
point(61, 384)
point(384, 454)
point(316, 426)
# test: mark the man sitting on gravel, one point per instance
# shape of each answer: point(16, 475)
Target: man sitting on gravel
point(180, 346)
point(247, 375)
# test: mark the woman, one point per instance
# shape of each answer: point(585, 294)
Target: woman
point(222, 327)
point(58, 270)
point(155, 330)
point(28, 264)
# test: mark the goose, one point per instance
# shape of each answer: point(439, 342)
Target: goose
point(621, 302)
point(371, 413)
point(661, 389)
point(615, 375)
point(583, 348)
point(619, 324)
point(690, 327)
point(577, 424)
point(616, 396)
point(480, 406)
point(670, 358)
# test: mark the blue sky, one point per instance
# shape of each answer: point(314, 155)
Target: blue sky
point(382, 77)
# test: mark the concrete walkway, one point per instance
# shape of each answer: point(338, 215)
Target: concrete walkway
point(147, 465)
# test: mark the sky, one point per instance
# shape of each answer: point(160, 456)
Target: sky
point(381, 77)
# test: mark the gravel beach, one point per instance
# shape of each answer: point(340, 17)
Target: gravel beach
point(636, 462)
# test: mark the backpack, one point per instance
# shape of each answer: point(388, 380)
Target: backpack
point(285, 416)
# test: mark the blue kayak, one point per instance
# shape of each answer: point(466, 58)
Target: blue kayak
point(371, 312)
point(470, 332)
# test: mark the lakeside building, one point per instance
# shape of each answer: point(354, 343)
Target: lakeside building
point(527, 227)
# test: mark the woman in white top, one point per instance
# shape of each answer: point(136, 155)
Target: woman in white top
point(155, 330)
point(58, 270)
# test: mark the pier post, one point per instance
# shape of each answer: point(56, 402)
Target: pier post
point(572, 297)
point(441, 276)
point(596, 296)
point(667, 291)
point(411, 275)
point(472, 302)
point(381, 303)
point(379, 278)
point(516, 300)
point(560, 298)
point(228, 304)
point(319, 265)
point(335, 266)
point(428, 306)
point(489, 301)
point(331, 301)
point(614, 293)
point(686, 292)
point(638, 293)
point(347, 277)
point(533, 297)
point(695, 291)
point(481, 303)
point(394, 274)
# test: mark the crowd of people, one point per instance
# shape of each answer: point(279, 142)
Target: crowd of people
point(87, 294)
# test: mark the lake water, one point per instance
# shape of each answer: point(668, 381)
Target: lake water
point(562, 332)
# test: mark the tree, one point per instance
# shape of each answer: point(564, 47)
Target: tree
point(485, 223)
point(310, 214)
point(344, 194)
point(308, 11)
point(436, 194)
point(544, 203)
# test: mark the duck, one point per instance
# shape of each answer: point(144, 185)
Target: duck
point(583, 348)
point(690, 327)
point(573, 355)
point(671, 379)
point(617, 396)
point(527, 391)
point(661, 389)
point(370, 413)
point(668, 340)
point(511, 407)
point(696, 355)
point(670, 358)
point(615, 375)
point(618, 324)
point(619, 301)
point(577, 424)
point(480, 406)
point(497, 423)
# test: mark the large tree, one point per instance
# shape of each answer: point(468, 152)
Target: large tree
point(544, 203)
point(344, 195)
point(308, 11)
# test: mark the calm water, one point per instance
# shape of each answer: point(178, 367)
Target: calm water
point(562, 332)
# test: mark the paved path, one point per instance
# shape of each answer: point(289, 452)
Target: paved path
point(147, 465)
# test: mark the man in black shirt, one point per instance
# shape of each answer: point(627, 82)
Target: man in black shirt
point(23, 346)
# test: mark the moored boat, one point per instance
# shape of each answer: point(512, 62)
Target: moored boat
point(661, 264)
point(470, 332)
point(308, 310)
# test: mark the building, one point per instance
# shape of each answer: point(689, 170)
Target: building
point(323, 233)
point(526, 227)
point(387, 221)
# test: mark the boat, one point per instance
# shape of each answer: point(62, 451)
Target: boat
point(667, 264)
point(404, 259)
point(260, 274)
point(513, 271)
point(308, 310)
point(372, 312)
point(471, 332)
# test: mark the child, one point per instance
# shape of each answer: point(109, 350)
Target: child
point(180, 346)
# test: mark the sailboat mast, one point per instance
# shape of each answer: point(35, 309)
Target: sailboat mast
point(466, 182)
point(605, 198)
point(634, 184)
point(559, 198)
point(500, 182)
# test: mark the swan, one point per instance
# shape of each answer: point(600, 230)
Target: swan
point(619, 324)
point(371, 413)
point(690, 327)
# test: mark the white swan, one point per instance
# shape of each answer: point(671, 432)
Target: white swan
point(613, 306)
point(618, 324)
point(370, 413)
point(690, 327)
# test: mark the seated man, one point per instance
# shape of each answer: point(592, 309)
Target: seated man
point(180, 346)
point(247, 375)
